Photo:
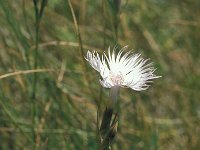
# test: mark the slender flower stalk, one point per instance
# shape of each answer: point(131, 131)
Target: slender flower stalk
point(114, 92)
point(119, 70)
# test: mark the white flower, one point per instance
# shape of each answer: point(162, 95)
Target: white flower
point(125, 70)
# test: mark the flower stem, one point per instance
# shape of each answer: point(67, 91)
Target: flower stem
point(114, 92)
point(38, 15)
point(108, 128)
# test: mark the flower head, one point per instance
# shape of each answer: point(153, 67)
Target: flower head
point(125, 70)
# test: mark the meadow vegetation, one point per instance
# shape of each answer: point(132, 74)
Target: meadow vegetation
point(49, 94)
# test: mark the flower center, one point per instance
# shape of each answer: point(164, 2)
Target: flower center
point(117, 79)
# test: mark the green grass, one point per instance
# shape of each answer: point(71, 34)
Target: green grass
point(59, 112)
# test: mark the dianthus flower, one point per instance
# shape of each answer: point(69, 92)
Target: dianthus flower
point(122, 69)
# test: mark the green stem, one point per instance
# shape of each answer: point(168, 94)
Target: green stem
point(87, 77)
point(101, 88)
point(109, 122)
point(104, 23)
point(114, 93)
point(38, 16)
point(33, 94)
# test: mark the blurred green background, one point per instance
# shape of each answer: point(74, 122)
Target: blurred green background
point(49, 94)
